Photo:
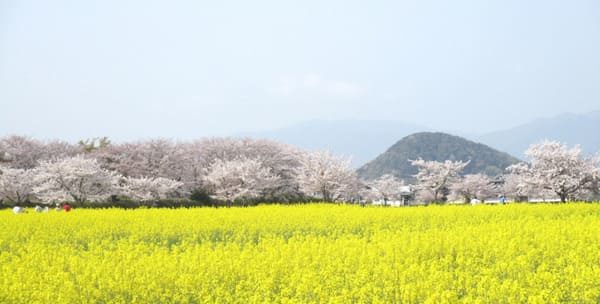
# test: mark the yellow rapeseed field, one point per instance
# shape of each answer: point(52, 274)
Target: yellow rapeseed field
point(304, 254)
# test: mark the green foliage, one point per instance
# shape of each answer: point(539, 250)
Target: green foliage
point(438, 147)
point(91, 144)
point(200, 195)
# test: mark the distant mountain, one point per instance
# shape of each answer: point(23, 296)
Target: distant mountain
point(363, 140)
point(439, 147)
point(360, 139)
point(569, 128)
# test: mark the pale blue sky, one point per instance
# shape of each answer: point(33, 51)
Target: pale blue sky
point(184, 69)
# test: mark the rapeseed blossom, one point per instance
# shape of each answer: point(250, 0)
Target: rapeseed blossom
point(304, 254)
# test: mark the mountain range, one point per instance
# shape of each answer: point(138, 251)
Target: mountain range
point(364, 140)
point(568, 128)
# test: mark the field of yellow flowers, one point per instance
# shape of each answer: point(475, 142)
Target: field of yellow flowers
point(304, 254)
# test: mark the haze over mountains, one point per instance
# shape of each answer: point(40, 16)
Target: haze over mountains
point(364, 140)
point(572, 129)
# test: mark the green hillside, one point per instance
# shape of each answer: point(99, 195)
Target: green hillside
point(440, 147)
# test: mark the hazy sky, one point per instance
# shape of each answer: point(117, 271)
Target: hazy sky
point(182, 69)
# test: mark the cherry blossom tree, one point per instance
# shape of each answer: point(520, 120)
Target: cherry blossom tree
point(241, 178)
point(435, 178)
point(26, 153)
point(55, 149)
point(155, 158)
point(20, 151)
point(595, 171)
point(16, 185)
point(329, 177)
point(473, 186)
point(76, 179)
point(283, 160)
point(352, 191)
point(195, 166)
point(386, 187)
point(555, 167)
point(591, 190)
point(517, 187)
point(146, 188)
point(189, 162)
point(181, 161)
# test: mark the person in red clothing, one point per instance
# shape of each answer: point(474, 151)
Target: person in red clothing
point(67, 207)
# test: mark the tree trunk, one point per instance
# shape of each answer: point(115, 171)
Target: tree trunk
point(563, 197)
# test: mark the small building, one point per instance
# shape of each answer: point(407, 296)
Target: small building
point(407, 195)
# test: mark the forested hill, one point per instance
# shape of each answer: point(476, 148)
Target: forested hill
point(439, 147)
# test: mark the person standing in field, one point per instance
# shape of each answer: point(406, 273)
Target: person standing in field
point(18, 210)
point(66, 207)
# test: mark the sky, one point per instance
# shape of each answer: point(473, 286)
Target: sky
point(189, 69)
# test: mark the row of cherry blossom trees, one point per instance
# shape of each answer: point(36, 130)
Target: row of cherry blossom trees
point(557, 169)
point(553, 170)
point(77, 179)
point(229, 169)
